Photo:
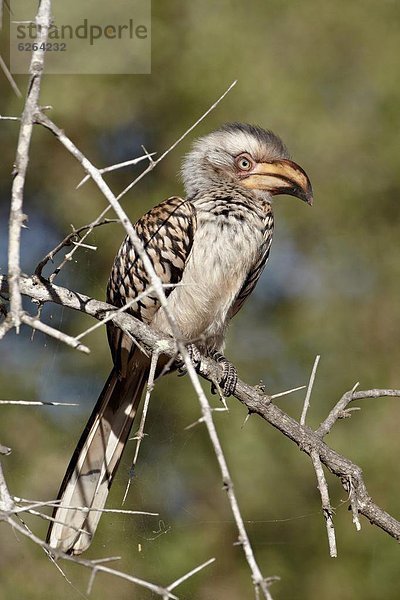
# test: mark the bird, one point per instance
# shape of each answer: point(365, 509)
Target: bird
point(210, 246)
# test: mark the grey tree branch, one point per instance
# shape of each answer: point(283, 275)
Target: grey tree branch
point(10, 78)
point(309, 390)
point(175, 584)
point(256, 402)
point(139, 436)
point(340, 410)
point(326, 505)
point(6, 501)
point(122, 165)
point(29, 403)
point(17, 217)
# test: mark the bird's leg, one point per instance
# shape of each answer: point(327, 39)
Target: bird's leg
point(229, 375)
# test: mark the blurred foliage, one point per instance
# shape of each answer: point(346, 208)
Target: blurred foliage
point(325, 77)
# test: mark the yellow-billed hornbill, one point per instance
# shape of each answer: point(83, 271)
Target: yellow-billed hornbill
point(215, 242)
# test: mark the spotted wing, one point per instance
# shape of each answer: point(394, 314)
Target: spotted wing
point(166, 232)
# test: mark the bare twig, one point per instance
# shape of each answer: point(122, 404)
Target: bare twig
point(154, 163)
point(201, 419)
point(160, 591)
point(6, 501)
point(126, 163)
point(51, 503)
point(10, 78)
point(36, 403)
point(36, 513)
point(5, 118)
point(258, 580)
point(309, 390)
point(326, 505)
point(6, 326)
point(286, 392)
point(17, 217)
point(178, 582)
point(140, 434)
point(55, 333)
point(64, 575)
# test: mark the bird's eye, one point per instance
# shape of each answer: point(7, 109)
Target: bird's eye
point(244, 163)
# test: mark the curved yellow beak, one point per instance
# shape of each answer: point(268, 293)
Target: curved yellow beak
point(280, 177)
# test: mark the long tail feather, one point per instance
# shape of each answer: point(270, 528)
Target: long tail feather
point(93, 465)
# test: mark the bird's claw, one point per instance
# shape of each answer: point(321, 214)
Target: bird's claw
point(229, 376)
point(195, 357)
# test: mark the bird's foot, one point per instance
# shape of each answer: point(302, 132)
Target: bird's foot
point(195, 357)
point(229, 375)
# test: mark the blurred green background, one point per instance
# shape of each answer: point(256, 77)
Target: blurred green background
point(324, 76)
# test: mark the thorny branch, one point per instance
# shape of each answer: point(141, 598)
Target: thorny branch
point(6, 502)
point(309, 390)
point(28, 505)
point(29, 403)
point(8, 511)
point(256, 402)
point(10, 78)
point(17, 217)
point(92, 565)
point(326, 505)
point(340, 410)
point(319, 471)
point(139, 436)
